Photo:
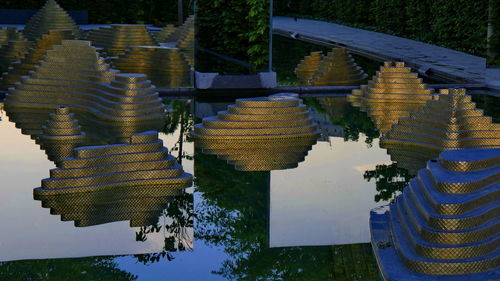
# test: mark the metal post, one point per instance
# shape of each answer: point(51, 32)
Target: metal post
point(179, 12)
point(270, 35)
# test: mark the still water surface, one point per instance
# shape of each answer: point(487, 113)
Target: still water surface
point(306, 223)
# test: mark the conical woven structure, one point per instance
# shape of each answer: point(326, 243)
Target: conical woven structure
point(450, 122)
point(73, 75)
point(391, 94)
point(13, 51)
point(186, 44)
point(308, 66)
point(163, 35)
point(10, 33)
point(445, 224)
point(50, 17)
point(33, 56)
point(338, 68)
point(179, 32)
point(141, 162)
point(165, 67)
point(259, 134)
point(60, 134)
point(116, 38)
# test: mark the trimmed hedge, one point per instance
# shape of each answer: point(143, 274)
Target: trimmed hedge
point(158, 12)
point(456, 24)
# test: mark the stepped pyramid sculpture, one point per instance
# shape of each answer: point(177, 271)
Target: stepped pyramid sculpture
point(392, 93)
point(179, 32)
point(50, 17)
point(73, 75)
point(165, 33)
point(115, 39)
point(337, 69)
point(60, 134)
point(141, 205)
point(451, 121)
point(259, 134)
point(308, 66)
point(445, 224)
point(186, 44)
point(10, 33)
point(13, 51)
point(164, 66)
point(33, 56)
point(141, 162)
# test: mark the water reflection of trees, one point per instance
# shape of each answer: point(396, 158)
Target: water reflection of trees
point(81, 269)
point(180, 119)
point(234, 215)
point(389, 181)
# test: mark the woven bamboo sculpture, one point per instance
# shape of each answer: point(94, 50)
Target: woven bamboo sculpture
point(20, 68)
point(338, 68)
point(115, 39)
point(13, 51)
point(50, 17)
point(163, 35)
point(10, 33)
point(445, 224)
point(392, 93)
point(164, 66)
point(60, 135)
point(141, 162)
point(308, 66)
point(142, 206)
point(451, 121)
point(73, 75)
point(259, 134)
point(166, 35)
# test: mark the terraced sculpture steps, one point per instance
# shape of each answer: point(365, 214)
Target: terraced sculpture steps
point(141, 163)
point(60, 135)
point(115, 39)
point(10, 33)
point(73, 75)
point(164, 66)
point(26, 64)
point(13, 51)
point(178, 33)
point(338, 68)
point(50, 17)
point(308, 66)
point(141, 205)
point(392, 93)
point(259, 134)
point(451, 121)
point(445, 225)
point(163, 35)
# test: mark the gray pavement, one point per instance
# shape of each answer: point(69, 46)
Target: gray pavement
point(441, 62)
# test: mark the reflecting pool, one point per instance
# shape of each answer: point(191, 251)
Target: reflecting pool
point(305, 223)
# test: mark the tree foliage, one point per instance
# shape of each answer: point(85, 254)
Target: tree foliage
point(389, 180)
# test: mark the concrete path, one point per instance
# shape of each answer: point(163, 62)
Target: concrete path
point(441, 62)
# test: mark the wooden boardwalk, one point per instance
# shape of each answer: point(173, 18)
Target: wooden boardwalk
point(446, 64)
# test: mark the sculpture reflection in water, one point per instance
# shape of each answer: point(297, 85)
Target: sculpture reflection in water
point(138, 181)
point(234, 215)
point(259, 134)
point(445, 224)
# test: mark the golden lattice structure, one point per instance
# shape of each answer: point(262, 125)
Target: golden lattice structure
point(10, 33)
point(337, 68)
point(50, 17)
point(13, 51)
point(392, 93)
point(143, 161)
point(20, 68)
point(445, 224)
point(259, 134)
point(115, 39)
point(164, 34)
point(60, 135)
point(308, 66)
point(73, 75)
point(141, 205)
point(164, 66)
point(451, 121)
